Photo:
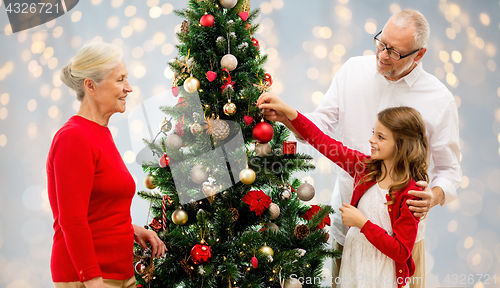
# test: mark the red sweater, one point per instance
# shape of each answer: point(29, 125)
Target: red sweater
point(404, 224)
point(90, 193)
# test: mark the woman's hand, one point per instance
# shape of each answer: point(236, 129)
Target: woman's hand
point(352, 217)
point(96, 282)
point(143, 237)
point(270, 102)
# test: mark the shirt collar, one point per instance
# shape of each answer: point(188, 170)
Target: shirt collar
point(411, 78)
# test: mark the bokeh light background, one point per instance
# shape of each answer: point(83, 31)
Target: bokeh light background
point(307, 42)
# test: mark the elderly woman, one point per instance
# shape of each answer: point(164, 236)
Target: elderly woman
point(90, 188)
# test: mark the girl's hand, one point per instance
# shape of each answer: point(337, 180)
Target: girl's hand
point(143, 237)
point(96, 282)
point(352, 217)
point(269, 101)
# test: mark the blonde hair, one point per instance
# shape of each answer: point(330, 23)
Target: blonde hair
point(415, 19)
point(93, 61)
point(412, 148)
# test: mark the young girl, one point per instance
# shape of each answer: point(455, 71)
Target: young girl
point(378, 246)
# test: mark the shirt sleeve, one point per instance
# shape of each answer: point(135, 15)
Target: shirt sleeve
point(445, 150)
point(348, 159)
point(74, 168)
point(399, 246)
point(326, 115)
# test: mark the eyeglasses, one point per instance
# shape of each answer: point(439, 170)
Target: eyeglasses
point(391, 52)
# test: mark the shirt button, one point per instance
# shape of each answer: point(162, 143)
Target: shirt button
point(400, 271)
point(390, 209)
point(81, 272)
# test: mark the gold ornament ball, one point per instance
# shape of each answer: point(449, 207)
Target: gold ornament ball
point(274, 210)
point(247, 176)
point(165, 125)
point(219, 129)
point(243, 6)
point(196, 129)
point(149, 182)
point(191, 85)
point(179, 217)
point(229, 108)
point(229, 61)
point(228, 4)
point(262, 150)
point(267, 250)
point(305, 191)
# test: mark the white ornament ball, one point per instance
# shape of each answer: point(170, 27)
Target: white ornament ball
point(173, 141)
point(199, 174)
point(274, 210)
point(305, 191)
point(228, 4)
point(229, 61)
point(262, 150)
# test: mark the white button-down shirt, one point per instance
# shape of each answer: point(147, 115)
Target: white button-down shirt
point(350, 106)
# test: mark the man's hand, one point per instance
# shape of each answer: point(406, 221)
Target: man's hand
point(143, 237)
point(352, 217)
point(429, 198)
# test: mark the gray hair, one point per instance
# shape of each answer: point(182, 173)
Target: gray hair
point(415, 19)
point(93, 61)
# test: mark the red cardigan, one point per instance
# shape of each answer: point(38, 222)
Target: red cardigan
point(404, 224)
point(90, 193)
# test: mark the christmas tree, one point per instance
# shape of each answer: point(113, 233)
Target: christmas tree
point(224, 200)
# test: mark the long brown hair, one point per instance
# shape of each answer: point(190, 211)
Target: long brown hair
point(412, 148)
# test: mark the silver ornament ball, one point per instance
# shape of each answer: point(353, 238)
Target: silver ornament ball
point(228, 4)
point(199, 174)
point(229, 61)
point(262, 150)
point(271, 227)
point(173, 141)
point(274, 210)
point(305, 191)
point(286, 194)
point(292, 283)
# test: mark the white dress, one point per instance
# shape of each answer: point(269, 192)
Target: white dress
point(363, 265)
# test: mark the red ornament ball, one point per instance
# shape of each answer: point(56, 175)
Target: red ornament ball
point(256, 44)
point(268, 80)
point(201, 253)
point(255, 262)
point(164, 161)
point(139, 268)
point(207, 20)
point(263, 132)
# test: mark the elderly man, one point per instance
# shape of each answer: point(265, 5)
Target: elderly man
point(394, 77)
